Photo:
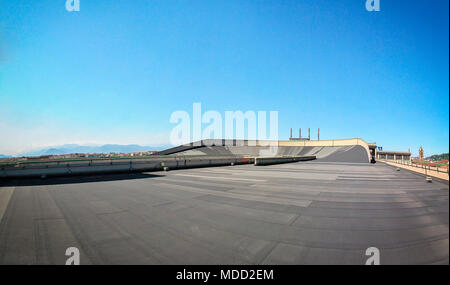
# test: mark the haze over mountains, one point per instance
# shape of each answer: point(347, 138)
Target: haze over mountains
point(74, 148)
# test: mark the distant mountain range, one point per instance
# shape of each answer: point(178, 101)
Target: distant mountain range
point(74, 148)
point(4, 156)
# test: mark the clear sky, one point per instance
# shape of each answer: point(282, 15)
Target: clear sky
point(115, 71)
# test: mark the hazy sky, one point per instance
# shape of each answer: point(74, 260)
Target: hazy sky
point(115, 71)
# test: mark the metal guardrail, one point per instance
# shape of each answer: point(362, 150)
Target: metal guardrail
point(95, 159)
point(70, 167)
point(77, 167)
point(421, 165)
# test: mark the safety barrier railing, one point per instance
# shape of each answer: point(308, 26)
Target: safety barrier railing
point(431, 166)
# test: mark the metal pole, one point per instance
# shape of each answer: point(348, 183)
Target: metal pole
point(291, 134)
point(318, 134)
point(309, 133)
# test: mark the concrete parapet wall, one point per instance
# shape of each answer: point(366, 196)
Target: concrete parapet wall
point(88, 167)
point(114, 166)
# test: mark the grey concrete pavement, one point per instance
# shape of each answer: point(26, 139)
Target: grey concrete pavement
point(298, 213)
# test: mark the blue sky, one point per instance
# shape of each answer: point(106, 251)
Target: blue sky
point(115, 71)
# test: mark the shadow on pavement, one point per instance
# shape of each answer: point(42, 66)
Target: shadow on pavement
point(74, 179)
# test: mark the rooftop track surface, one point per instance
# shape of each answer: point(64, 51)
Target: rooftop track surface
point(298, 213)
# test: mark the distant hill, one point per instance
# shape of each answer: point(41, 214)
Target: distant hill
point(4, 156)
point(107, 148)
point(438, 156)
